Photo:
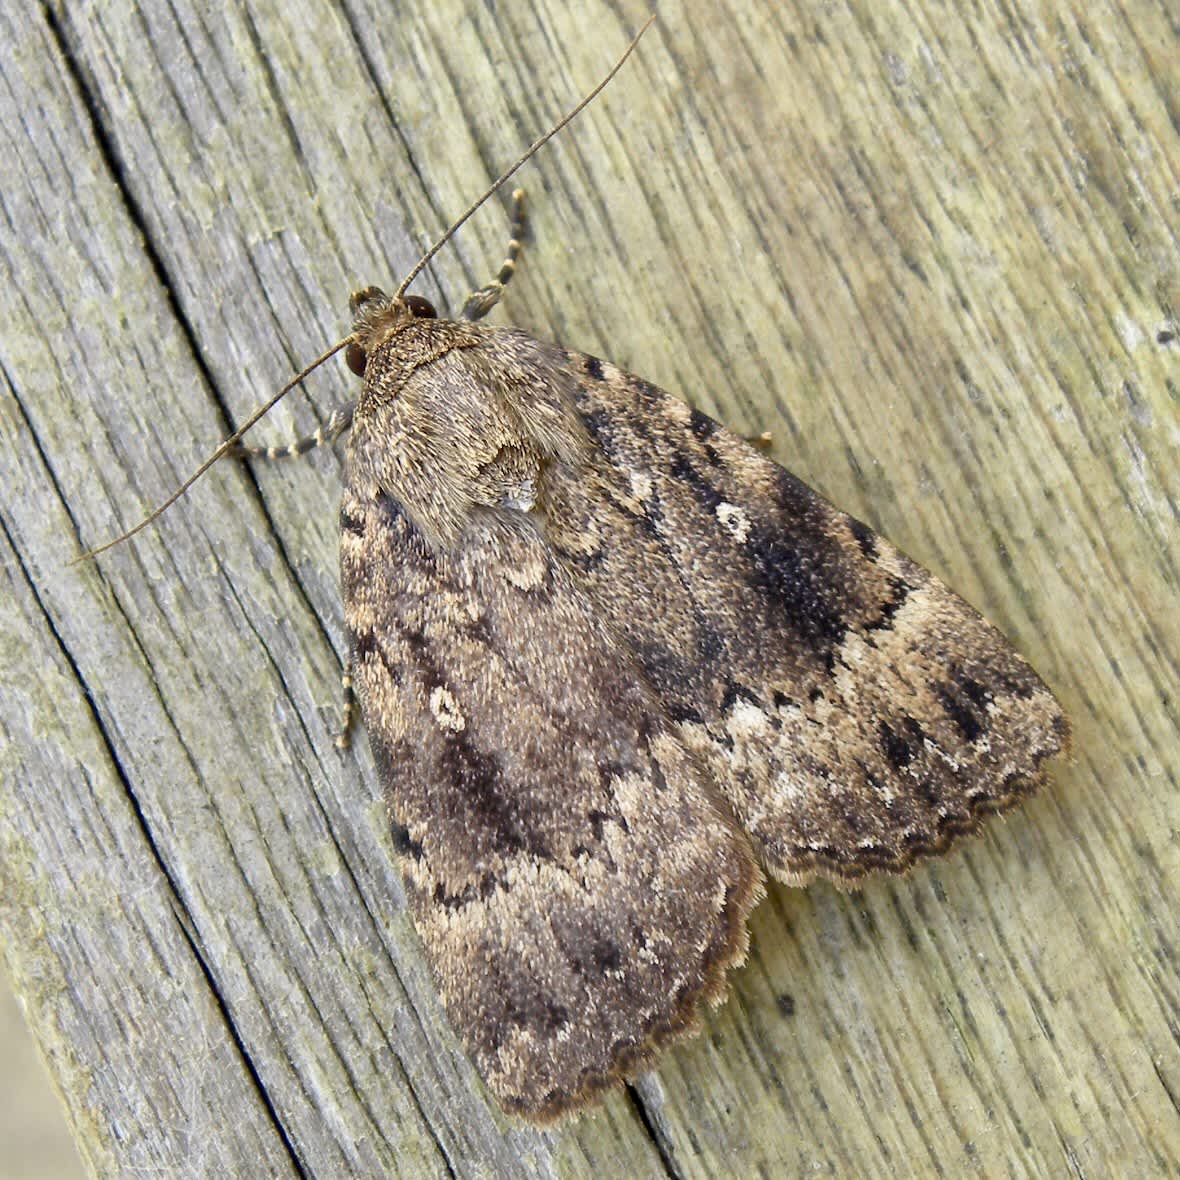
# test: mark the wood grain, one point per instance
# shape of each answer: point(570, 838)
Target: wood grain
point(934, 251)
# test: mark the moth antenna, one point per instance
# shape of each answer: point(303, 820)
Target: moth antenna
point(217, 454)
point(532, 151)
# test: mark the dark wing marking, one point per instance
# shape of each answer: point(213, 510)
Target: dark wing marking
point(855, 711)
point(576, 883)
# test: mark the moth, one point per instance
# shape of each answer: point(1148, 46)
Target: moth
point(615, 664)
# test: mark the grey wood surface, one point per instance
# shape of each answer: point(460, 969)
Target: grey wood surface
point(933, 249)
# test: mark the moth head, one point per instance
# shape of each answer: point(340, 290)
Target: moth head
point(376, 317)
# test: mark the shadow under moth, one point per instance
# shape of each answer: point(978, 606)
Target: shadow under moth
point(614, 664)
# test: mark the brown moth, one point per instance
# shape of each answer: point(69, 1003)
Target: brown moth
point(611, 659)
point(615, 663)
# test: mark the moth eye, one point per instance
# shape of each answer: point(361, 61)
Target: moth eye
point(355, 358)
point(421, 309)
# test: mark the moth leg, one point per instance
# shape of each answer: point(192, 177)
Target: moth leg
point(337, 424)
point(348, 709)
point(480, 302)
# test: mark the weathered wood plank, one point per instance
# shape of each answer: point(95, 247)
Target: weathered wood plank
point(936, 257)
